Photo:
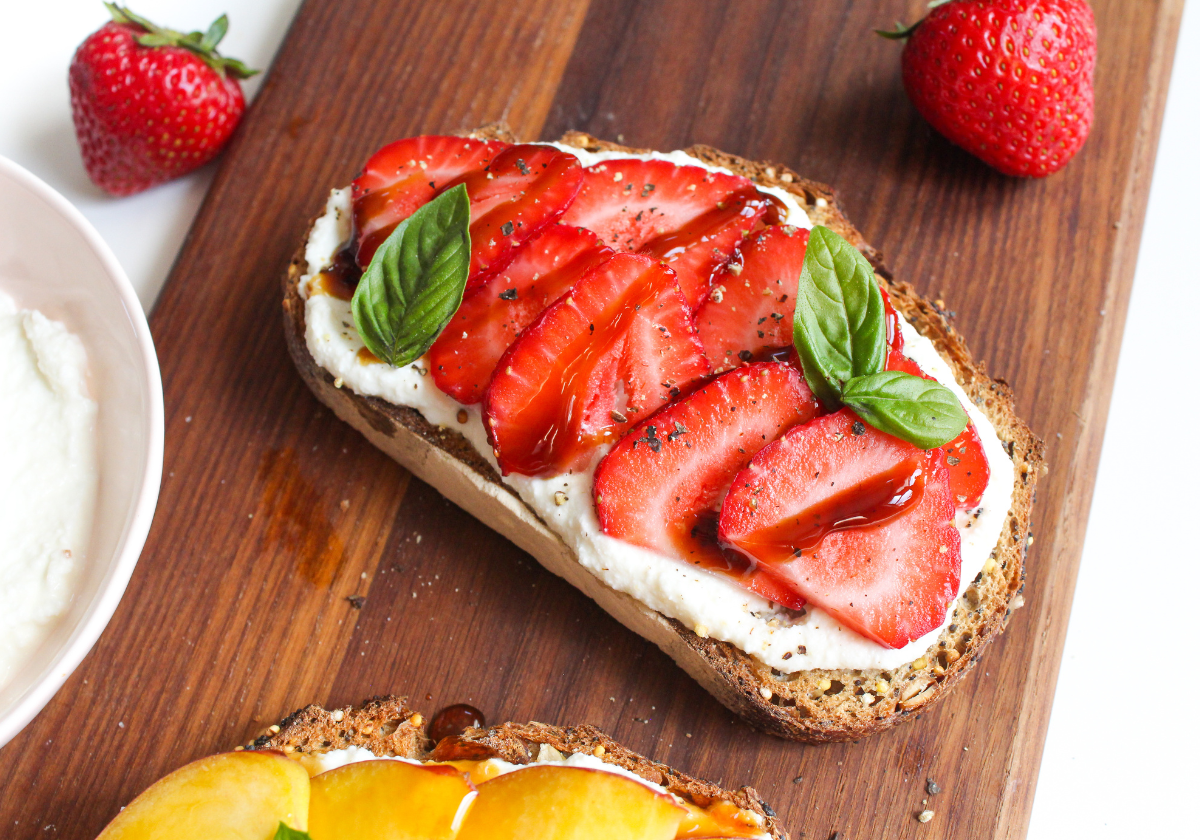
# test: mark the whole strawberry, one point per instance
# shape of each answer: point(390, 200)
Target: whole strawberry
point(1008, 80)
point(151, 104)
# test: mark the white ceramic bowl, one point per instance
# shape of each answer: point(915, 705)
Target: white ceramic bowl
point(52, 259)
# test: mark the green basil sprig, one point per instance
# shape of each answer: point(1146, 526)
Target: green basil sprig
point(841, 336)
point(286, 832)
point(416, 279)
point(839, 327)
point(921, 411)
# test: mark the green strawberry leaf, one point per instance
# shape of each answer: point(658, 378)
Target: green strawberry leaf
point(202, 44)
point(286, 832)
point(416, 279)
point(839, 328)
point(921, 411)
point(215, 33)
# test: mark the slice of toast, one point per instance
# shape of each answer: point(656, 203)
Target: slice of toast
point(388, 727)
point(813, 705)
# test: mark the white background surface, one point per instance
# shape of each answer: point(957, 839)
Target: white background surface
point(1123, 753)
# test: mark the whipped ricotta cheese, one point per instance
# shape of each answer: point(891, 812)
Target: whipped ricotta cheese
point(48, 469)
point(709, 603)
point(316, 763)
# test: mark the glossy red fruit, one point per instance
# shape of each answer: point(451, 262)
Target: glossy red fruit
point(690, 217)
point(750, 308)
point(523, 190)
point(891, 319)
point(857, 522)
point(405, 175)
point(494, 314)
point(1010, 81)
point(515, 193)
point(146, 114)
point(617, 346)
point(966, 463)
point(661, 486)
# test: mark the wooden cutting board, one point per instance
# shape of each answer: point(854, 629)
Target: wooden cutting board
point(272, 512)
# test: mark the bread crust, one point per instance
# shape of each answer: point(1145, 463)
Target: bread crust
point(857, 702)
point(387, 726)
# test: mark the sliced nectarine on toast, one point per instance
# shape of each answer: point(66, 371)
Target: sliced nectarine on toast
point(388, 800)
point(569, 803)
point(233, 796)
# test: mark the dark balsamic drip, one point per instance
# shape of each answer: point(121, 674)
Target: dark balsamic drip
point(453, 721)
point(341, 278)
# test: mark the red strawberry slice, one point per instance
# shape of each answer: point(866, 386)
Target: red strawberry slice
point(403, 176)
point(661, 486)
point(965, 460)
point(687, 215)
point(515, 192)
point(857, 522)
point(494, 314)
point(524, 189)
point(617, 346)
point(891, 318)
point(750, 308)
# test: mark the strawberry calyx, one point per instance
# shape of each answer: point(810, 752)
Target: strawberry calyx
point(202, 44)
point(902, 32)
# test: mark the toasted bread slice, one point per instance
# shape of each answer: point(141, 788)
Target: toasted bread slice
point(813, 705)
point(388, 727)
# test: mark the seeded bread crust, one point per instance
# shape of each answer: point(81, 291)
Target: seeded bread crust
point(387, 726)
point(813, 706)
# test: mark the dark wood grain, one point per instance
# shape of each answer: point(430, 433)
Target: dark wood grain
point(273, 513)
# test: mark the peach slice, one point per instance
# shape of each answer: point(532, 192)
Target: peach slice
point(569, 803)
point(388, 800)
point(721, 819)
point(234, 796)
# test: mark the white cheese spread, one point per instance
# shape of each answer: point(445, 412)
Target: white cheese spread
point(316, 763)
point(48, 470)
point(709, 603)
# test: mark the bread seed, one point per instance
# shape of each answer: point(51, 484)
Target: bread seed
point(925, 816)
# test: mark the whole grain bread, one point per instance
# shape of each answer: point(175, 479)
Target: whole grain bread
point(387, 726)
point(814, 705)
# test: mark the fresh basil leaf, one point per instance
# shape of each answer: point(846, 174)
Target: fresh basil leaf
point(839, 328)
point(286, 832)
point(921, 411)
point(416, 279)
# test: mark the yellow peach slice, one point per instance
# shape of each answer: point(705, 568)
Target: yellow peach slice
point(233, 796)
point(721, 819)
point(569, 803)
point(388, 800)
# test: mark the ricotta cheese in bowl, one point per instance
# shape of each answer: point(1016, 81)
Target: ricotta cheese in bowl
point(48, 464)
point(81, 457)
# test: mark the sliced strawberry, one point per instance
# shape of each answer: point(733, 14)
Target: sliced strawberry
point(687, 215)
point(524, 189)
point(515, 192)
point(661, 486)
point(857, 522)
point(617, 346)
point(895, 336)
point(750, 308)
point(493, 315)
point(403, 176)
point(965, 459)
